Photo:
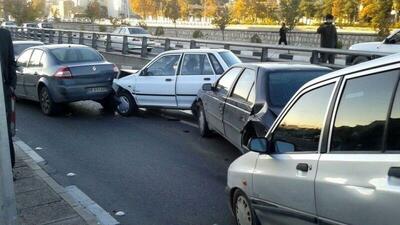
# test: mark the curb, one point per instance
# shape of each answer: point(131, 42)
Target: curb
point(33, 160)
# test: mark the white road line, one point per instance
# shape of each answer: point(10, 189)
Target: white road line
point(29, 151)
point(81, 198)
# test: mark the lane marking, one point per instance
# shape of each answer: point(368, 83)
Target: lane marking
point(81, 198)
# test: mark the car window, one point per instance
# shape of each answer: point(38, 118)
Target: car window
point(137, 30)
point(74, 55)
point(244, 85)
point(393, 134)
point(226, 81)
point(43, 60)
point(229, 58)
point(362, 111)
point(164, 66)
point(196, 64)
point(300, 129)
point(35, 59)
point(217, 66)
point(24, 58)
point(19, 48)
point(395, 39)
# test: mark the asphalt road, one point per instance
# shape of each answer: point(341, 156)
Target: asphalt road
point(153, 167)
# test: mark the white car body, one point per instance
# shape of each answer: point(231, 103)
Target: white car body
point(391, 44)
point(9, 24)
point(134, 43)
point(177, 90)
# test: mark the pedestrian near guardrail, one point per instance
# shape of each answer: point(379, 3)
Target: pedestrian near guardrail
point(9, 77)
point(283, 34)
point(329, 38)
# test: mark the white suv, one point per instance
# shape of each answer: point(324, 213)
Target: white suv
point(172, 79)
point(331, 157)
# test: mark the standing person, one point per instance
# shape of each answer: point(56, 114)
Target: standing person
point(282, 34)
point(329, 38)
point(8, 68)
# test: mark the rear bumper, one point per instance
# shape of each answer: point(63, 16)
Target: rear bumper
point(63, 94)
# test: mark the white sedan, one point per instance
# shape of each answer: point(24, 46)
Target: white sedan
point(172, 79)
point(134, 43)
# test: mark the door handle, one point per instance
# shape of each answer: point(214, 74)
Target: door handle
point(394, 172)
point(168, 80)
point(303, 167)
point(207, 79)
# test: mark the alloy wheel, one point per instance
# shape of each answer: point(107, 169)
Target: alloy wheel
point(243, 212)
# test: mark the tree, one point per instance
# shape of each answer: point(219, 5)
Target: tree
point(383, 19)
point(93, 10)
point(307, 8)
point(290, 12)
point(24, 11)
point(337, 9)
point(221, 19)
point(145, 8)
point(173, 11)
point(351, 10)
point(210, 8)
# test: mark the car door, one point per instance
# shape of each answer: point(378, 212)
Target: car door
point(358, 181)
point(284, 180)
point(195, 71)
point(155, 86)
point(33, 73)
point(238, 107)
point(214, 101)
point(22, 68)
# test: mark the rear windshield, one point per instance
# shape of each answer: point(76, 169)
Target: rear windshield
point(19, 48)
point(74, 55)
point(230, 58)
point(137, 31)
point(284, 84)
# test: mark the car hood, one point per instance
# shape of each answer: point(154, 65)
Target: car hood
point(368, 46)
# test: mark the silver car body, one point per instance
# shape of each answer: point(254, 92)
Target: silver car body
point(338, 187)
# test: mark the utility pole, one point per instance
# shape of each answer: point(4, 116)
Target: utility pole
point(8, 211)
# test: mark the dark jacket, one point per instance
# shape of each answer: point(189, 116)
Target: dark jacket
point(7, 60)
point(328, 35)
point(282, 32)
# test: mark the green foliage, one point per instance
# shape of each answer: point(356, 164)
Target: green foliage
point(290, 12)
point(255, 39)
point(339, 45)
point(24, 11)
point(172, 10)
point(159, 31)
point(103, 28)
point(382, 20)
point(221, 19)
point(93, 10)
point(307, 8)
point(197, 34)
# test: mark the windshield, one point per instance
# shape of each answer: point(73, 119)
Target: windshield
point(283, 85)
point(137, 31)
point(74, 55)
point(230, 58)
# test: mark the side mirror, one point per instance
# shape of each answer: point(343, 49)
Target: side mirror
point(259, 145)
point(207, 87)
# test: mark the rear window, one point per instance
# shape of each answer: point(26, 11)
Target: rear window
point(74, 55)
point(137, 31)
point(19, 48)
point(283, 85)
point(230, 58)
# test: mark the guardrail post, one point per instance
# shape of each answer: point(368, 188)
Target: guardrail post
point(69, 37)
point(108, 43)
point(35, 35)
point(125, 45)
point(227, 46)
point(314, 57)
point(192, 44)
point(143, 53)
point(81, 38)
point(42, 36)
point(94, 40)
point(60, 37)
point(167, 45)
point(264, 55)
point(51, 37)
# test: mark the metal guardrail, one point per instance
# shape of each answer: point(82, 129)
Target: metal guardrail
point(255, 52)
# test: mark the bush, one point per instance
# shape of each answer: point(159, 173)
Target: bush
point(339, 44)
point(198, 34)
point(255, 39)
point(102, 28)
point(159, 31)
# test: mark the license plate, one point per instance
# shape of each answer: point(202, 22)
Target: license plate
point(97, 90)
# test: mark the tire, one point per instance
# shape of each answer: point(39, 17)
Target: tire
point(360, 59)
point(127, 105)
point(242, 209)
point(47, 104)
point(202, 121)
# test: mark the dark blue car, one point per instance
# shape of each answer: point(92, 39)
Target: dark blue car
point(58, 74)
point(247, 99)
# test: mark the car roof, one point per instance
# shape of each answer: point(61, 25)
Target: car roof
point(380, 62)
point(58, 46)
point(275, 66)
point(131, 27)
point(27, 42)
point(203, 50)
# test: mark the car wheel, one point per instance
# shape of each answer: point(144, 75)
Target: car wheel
point(127, 104)
point(243, 212)
point(203, 124)
point(360, 59)
point(48, 106)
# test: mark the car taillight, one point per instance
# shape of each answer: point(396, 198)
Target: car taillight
point(63, 73)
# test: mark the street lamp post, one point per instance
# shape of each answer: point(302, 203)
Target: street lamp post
point(8, 211)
